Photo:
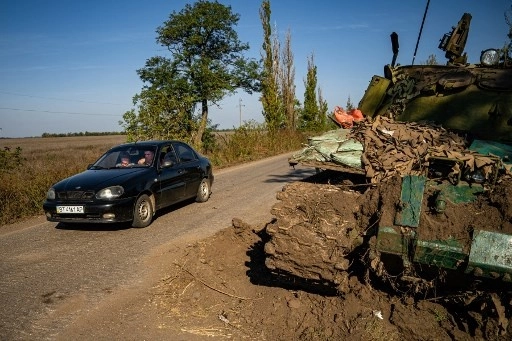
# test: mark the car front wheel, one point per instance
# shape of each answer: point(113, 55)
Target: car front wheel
point(143, 212)
point(204, 191)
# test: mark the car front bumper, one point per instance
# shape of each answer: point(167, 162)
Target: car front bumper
point(117, 211)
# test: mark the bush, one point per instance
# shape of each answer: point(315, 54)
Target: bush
point(10, 160)
point(252, 142)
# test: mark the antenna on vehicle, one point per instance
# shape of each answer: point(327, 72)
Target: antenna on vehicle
point(421, 29)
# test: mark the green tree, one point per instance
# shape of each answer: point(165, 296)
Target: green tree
point(288, 83)
point(323, 109)
point(165, 105)
point(310, 116)
point(270, 97)
point(508, 20)
point(206, 64)
point(349, 106)
point(508, 47)
point(431, 60)
point(10, 160)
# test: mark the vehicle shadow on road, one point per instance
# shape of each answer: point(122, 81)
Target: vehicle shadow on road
point(293, 175)
point(93, 227)
point(321, 177)
point(174, 207)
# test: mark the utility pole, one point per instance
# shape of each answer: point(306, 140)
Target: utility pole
point(240, 105)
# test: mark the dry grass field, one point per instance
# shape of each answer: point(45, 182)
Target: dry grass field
point(42, 162)
point(49, 144)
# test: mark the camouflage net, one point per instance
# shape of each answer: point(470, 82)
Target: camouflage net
point(404, 148)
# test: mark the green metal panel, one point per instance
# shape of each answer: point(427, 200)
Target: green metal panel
point(461, 193)
point(392, 240)
point(413, 187)
point(465, 110)
point(491, 255)
point(503, 151)
point(442, 253)
point(374, 95)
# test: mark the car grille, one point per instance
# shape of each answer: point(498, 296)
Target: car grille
point(75, 195)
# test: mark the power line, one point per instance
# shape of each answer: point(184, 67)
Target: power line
point(57, 99)
point(59, 112)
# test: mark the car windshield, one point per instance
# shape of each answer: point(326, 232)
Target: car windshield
point(123, 157)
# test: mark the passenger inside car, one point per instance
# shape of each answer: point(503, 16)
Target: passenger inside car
point(169, 158)
point(125, 160)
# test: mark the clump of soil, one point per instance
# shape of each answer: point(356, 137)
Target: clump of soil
point(304, 275)
point(314, 231)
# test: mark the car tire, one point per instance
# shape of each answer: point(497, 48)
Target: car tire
point(143, 212)
point(204, 191)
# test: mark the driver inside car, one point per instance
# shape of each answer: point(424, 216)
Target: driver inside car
point(147, 159)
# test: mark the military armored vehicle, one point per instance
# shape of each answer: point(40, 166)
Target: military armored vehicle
point(435, 150)
point(474, 100)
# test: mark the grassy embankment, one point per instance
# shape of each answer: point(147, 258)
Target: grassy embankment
point(44, 161)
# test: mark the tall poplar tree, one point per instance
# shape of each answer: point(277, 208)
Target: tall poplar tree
point(288, 83)
point(310, 115)
point(270, 96)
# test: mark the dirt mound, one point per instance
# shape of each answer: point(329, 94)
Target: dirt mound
point(302, 276)
point(222, 288)
point(315, 230)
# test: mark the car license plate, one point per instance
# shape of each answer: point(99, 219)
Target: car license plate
point(70, 209)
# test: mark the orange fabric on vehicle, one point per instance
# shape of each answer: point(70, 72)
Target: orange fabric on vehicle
point(346, 119)
point(356, 114)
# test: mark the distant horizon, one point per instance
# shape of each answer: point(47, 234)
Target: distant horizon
point(91, 133)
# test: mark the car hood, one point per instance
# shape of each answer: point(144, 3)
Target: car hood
point(98, 179)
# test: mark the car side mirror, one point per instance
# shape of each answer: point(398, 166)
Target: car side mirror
point(167, 164)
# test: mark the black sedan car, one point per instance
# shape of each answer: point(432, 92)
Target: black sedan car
point(129, 183)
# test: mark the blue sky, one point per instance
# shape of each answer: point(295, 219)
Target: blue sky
point(70, 66)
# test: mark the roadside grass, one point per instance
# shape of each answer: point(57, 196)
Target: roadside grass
point(42, 162)
point(251, 142)
point(31, 165)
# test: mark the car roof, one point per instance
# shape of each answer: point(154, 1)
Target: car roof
point(149, 143)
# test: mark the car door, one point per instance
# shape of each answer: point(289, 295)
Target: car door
point(190, 164)
point(172, 178)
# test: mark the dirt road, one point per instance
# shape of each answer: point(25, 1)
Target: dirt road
point(55, 278)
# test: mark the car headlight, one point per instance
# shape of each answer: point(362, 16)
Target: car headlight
point(110, 192)
point(490, 57)
point(50, 195)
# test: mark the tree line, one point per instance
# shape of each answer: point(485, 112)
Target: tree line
point(85, 133)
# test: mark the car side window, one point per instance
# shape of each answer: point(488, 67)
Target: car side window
point(185, 153)
point(167, 155)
